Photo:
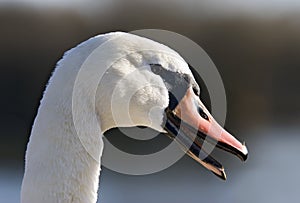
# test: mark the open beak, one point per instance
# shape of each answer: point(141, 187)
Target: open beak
point(197, 132)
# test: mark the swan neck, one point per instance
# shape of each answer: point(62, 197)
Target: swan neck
point(58, 168)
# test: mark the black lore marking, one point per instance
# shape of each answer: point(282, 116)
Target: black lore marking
point(176, 83)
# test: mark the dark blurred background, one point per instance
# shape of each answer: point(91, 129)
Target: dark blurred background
point(255, 46)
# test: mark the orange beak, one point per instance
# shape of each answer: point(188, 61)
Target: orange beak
point(191, 125)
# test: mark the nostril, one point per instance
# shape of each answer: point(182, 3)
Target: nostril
point(202, 113)
point(196, 91)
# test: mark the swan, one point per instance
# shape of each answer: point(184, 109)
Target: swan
point(58, 168)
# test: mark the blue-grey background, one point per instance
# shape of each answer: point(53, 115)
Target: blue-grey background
point(254, 44)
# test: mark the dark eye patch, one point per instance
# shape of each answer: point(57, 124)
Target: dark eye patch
point(177, 83)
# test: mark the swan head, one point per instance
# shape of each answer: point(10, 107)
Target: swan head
point(149, 84)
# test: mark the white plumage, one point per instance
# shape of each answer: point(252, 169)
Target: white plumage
point(58, 166)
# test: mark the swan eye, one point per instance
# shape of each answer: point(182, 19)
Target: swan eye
point(177, 83)
point(156, 68)
point(202, 113)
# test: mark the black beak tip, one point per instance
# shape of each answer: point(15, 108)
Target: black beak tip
point(243, 157)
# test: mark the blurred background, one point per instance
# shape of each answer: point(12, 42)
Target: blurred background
point(255, 46)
